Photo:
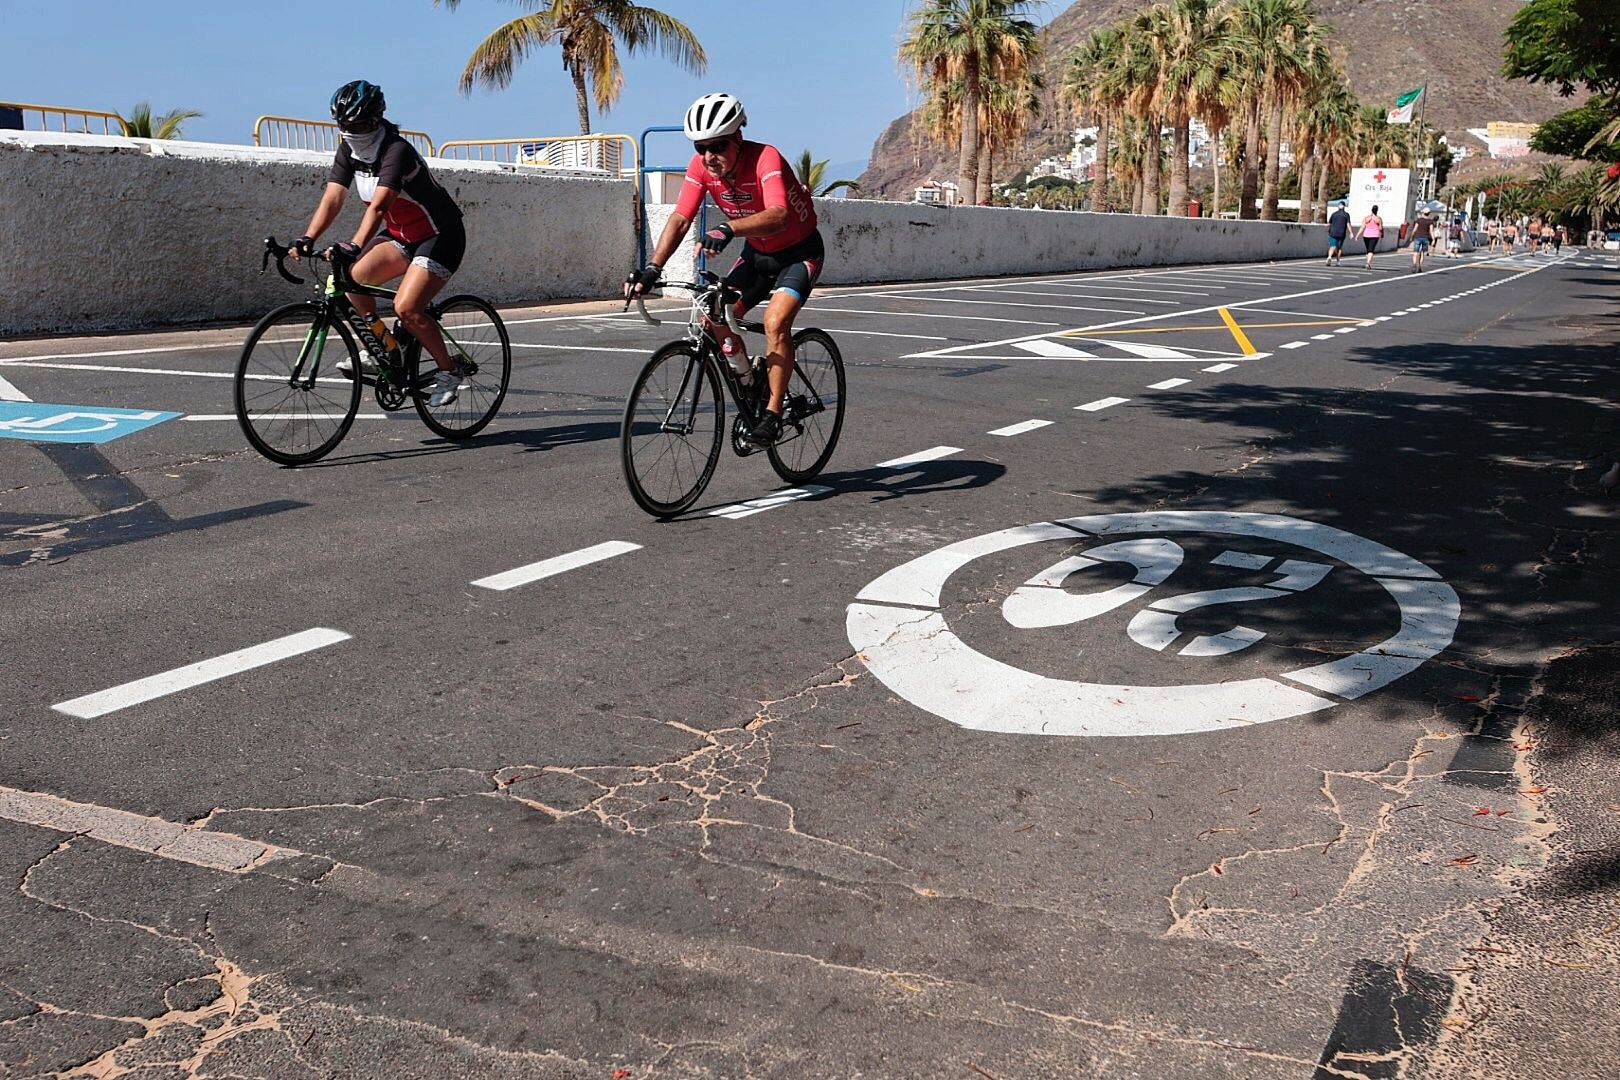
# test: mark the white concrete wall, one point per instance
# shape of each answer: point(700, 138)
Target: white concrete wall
point(100, 233)
point(881, 241)
point(103, 233)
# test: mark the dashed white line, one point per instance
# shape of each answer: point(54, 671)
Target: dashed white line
point(1294, 345)
point(1221, 367)
point(205, 671)
point(1168, 384)
point(560, 564)
point(1382, 318)
point(918, 458)
point(1019, 429)
point(1102, 403)
point(1345, 330)
point(770, 502)
point(1321, 337)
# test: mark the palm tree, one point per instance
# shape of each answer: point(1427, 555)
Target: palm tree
point(589, 32)
point(142, 125)
point(811, 173)
point(1005, 112)
point(1093, 83)
point(1284, 42)
point(1334, 116)
point(1192, 45)
point(970, 41)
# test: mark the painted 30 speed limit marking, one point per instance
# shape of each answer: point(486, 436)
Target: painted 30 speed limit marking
point(898, 628)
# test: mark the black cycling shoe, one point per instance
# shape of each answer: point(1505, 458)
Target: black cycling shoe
point(766, 430)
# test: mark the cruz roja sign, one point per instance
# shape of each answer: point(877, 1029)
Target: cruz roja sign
point(1388, 189)
point(898, 626)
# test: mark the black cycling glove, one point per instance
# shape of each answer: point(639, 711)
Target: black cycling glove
point(303, 247)
point(641, 280)
point(715, 240)
point(346, 251)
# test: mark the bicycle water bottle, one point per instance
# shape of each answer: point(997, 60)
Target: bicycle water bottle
point(733, 349)
point(380, 328)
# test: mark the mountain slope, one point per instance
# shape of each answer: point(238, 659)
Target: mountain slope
point(1387, 46)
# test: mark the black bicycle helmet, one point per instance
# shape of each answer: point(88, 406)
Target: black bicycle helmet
point(358, 101)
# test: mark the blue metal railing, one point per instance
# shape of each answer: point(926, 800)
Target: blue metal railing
point(642, 237)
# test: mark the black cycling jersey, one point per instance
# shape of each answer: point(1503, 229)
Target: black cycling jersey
point(421, 210)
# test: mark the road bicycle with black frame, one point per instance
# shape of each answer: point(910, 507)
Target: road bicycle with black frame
point(675, 418)
point(296, 400)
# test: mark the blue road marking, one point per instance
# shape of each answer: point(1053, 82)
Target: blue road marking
point(36, 421)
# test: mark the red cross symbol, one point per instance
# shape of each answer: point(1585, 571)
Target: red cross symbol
point(1378, 176)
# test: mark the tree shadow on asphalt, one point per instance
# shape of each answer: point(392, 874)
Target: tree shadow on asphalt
point(1478, 460)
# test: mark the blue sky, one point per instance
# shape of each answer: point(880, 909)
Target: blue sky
point(814, 75)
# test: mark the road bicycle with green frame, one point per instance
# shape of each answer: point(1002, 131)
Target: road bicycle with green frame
point(295, 403)
point(674, 421)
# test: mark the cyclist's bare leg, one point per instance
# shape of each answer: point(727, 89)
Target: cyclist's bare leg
point(381, 263)
point(779, 317)
point(418, 289)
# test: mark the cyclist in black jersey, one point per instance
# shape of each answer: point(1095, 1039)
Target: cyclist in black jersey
point(421, 237)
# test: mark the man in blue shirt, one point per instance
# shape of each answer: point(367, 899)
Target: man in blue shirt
point(1338, 229)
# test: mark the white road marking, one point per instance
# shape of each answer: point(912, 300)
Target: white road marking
point(1147, 352)
point(232, 416)
point(160, 371)
point(1221, 367)
point(1013, 303)
point(770, 502)
point(1321, 337)
point(9, 392)
point(1294, 345)
point(1382, 318)
point(119, 352)
point(575, 348)
point(1168, 384)
point(1088, 284)
point(918, 458)
point(560, 564)
point(1055, 349)
point(882, 333)
point(1065, 307)
point(1101, 403)
point(205, 671)
point(1345, 330)
point(1019, 429)
point(155, 836)
point(934, 315)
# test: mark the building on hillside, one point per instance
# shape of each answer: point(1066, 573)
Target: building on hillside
point(1505, 139)
point(942, 192)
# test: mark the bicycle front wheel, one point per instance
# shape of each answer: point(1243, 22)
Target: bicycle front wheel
point(673, 423)
point(813, 410)
point(477, 341)
point(292, 402)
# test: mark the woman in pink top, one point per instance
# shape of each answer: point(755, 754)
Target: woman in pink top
point(1371, 231)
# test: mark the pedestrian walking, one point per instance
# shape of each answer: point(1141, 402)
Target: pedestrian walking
point(1371, 230)
point(1338, 229)
point(1422, 238)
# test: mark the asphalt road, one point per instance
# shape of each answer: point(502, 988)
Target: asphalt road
point(1256, 724)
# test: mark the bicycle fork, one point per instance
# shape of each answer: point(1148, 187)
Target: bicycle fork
point(694, 368)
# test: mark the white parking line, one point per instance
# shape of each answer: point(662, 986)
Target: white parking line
point(1101, 403)
point(918, 458)
point(1168, 384)
point(159, 371)
point(1019, 429)
point(205, 671)
point(9, 392)
point(770, 502)
point(559, 564)
point(934, 315)
point(1014, 303)
point(1221, 367)
point(156, 836)
point(882, 333)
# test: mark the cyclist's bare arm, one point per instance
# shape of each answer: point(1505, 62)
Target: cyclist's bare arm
point(372, 218)
point(331, 205)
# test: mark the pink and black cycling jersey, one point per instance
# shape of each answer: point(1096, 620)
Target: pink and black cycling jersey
point(761, 180)
point(421, 210)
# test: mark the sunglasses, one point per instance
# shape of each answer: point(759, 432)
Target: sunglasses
point(360, 127)
point(718, 146)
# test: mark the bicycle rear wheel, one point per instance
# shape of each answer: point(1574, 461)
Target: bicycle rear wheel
point(813, 411)
point(477, 340)
point(673, 424)
point(292, 402)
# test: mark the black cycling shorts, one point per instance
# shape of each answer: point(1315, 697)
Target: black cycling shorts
point(794, 269)
point(440, 255)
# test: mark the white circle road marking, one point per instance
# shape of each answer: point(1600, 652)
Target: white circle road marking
point(903, 638)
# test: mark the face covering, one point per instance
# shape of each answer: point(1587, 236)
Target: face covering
point(365, 146)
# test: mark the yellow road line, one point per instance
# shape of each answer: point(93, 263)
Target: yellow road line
point(1238, 335)
point(1217, 326)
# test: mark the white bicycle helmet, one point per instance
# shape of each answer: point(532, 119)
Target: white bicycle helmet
point(714, 115)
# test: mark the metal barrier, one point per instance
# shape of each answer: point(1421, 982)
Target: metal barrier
point(293, 133)
point(642, 239)
point(60, 118)
point(575, 153)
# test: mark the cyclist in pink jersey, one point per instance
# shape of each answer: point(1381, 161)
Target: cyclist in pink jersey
point(766, 205)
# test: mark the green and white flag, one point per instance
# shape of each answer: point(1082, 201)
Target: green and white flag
point(1402, 112)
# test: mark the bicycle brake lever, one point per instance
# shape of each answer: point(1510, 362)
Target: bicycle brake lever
point(641, 306)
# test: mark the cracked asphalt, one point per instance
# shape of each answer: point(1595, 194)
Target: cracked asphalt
point(658, 817)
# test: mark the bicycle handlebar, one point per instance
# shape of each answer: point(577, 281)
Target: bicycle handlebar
point(279, 252)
